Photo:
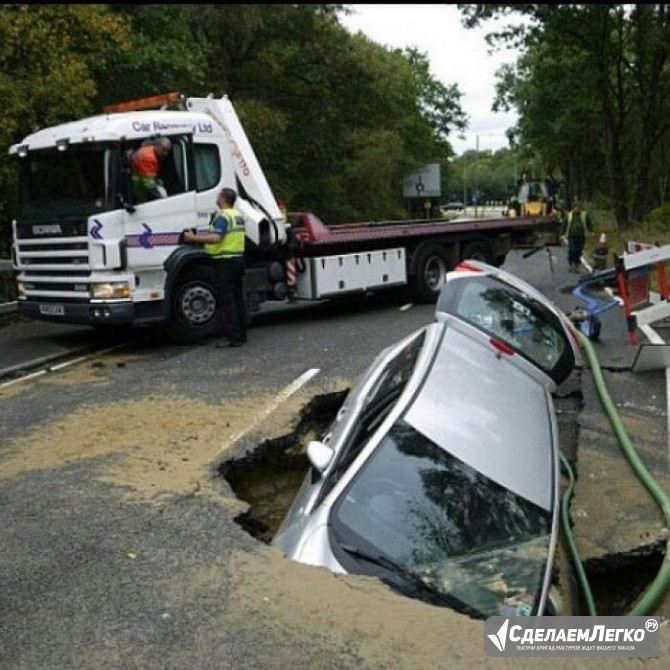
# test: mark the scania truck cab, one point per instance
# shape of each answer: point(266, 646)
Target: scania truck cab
point(86, 253)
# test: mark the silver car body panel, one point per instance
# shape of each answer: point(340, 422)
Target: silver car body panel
point(489, 408)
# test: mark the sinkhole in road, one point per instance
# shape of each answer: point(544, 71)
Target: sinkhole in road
point(619, 581)
point(269, 477)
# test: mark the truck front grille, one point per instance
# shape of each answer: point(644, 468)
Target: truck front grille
point(53, 254)
point(50, 229)
point(57, 245)
point(52, 258)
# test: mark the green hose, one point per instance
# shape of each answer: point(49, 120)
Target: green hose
point(659, 587)
point(572, 545)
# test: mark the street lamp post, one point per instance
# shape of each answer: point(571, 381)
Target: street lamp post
point(465, 188)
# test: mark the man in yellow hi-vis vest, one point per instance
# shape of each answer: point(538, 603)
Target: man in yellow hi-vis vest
point(224, 243)
point(577, 224)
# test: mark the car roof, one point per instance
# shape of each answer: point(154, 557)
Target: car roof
point(488, 412)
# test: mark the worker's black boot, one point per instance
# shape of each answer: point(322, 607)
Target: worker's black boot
point(226, 343)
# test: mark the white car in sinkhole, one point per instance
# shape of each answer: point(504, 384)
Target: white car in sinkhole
point(440, 473)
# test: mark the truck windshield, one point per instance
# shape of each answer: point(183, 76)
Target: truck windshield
point(464, 536)
point(61, 183)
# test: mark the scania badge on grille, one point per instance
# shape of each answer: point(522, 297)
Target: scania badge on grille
point(47, 229)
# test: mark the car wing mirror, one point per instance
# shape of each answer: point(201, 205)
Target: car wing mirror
point(319, 455)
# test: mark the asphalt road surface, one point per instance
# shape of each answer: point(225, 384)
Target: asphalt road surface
point(119, 542)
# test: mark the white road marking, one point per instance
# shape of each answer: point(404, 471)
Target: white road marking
point(25, 378)
point(651, 334)
point(282, 396)
point(409, 305)
point(60, 366)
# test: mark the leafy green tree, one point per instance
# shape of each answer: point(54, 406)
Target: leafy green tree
point(350, 111)
point(616, 57)
point(165, 54)
point(493, 173)
point(558, 119)
point(48, 55)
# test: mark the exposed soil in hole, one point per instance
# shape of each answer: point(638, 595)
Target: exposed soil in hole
point(617, 582)
point(269, 477)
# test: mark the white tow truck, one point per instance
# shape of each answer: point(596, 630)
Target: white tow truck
point(85, 253)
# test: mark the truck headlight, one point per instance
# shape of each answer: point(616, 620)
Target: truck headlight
point(109, 290)
point(21, 289)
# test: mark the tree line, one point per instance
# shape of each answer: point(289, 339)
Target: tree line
point(334, 118)
point(337, 119)
point(592, 89)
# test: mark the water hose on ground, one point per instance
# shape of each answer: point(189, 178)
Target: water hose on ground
point(659, 587)
point(572, 545)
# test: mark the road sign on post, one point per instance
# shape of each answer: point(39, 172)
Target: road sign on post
point(423, 182)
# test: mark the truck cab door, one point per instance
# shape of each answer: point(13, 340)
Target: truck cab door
point(152, 228)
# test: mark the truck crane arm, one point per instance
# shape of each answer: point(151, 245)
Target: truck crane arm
point(247, 168)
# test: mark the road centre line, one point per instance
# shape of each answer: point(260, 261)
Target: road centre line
point(281, 397)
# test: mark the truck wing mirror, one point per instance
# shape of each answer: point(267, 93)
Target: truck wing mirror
point(126, 205)
point(319, 455)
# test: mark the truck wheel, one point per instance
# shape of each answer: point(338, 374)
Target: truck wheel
point(196, 314)
point(430, 270)
point(477, 251)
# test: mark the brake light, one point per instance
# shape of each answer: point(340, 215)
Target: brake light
point(502, 346)
point(142, 103)
point(465, 265)
point(575, 336)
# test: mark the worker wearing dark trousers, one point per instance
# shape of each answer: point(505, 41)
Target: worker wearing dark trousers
point(224, 243)
point(577, 224)
point(229, 282)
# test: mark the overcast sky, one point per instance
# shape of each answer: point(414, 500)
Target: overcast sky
point(456, 55)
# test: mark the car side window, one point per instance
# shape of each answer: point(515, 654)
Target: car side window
point(378, 404)
point(398, 371)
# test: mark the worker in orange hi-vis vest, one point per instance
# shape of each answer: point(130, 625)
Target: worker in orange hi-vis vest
point(146, 164)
